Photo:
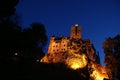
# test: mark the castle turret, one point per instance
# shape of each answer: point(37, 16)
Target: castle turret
point(51, 44)
point(76, 32)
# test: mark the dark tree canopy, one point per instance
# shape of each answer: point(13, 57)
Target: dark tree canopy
point(9, 30)
point(7, 8)
point(35, 38)
point(111, 48)
point(28, 42)
point(39, 34)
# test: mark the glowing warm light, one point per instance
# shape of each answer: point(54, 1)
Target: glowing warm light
point(44, 59)
point(77, 62)
point(98, 72)
point(97, 76)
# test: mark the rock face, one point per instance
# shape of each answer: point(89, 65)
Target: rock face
point(75, 52)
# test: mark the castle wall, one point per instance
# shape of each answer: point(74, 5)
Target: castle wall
point(89, 49)
point(58, 44)
point(64, 44)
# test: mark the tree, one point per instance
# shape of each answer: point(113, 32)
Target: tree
point(35, 39)
point(9, 29)
point(111, 47)
point(7, 8)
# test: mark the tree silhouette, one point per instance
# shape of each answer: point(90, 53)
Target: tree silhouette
point(9, 30)
point(111, 48)
point(29, 42)
point(7, 8)
point(35, 39)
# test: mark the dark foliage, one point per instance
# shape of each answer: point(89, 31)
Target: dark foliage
point(111, 48)
point(33, 71)
point(7, 8)
point(34, 39)
point(27, 43)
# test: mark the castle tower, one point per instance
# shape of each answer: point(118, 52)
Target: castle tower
point(76, 32)
point(51, 44)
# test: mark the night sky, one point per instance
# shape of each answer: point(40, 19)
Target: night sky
point(99, 19)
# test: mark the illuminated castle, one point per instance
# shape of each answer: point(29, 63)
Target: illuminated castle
point(75, 53)
point(74, 42)
point(58, 44)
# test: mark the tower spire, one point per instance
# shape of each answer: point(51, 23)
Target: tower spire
point(76, 32)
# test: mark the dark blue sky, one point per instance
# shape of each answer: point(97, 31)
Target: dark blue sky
point(99, 18)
